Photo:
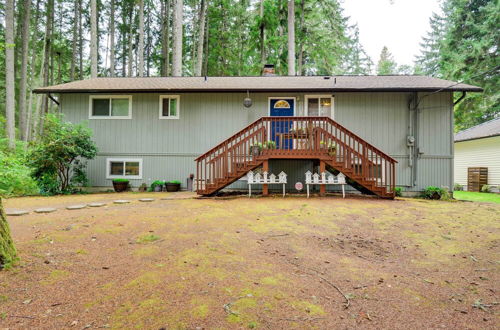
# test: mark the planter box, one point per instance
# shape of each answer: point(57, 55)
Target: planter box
point(120, 186)
point(172, 187)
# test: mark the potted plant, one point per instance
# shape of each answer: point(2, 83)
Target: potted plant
point(173, 186)
point(157, 185)
point(332, 149)
point(270, 145)
point(120, 184)
point(256, 149)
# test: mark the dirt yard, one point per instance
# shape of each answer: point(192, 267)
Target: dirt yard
point(266, 263)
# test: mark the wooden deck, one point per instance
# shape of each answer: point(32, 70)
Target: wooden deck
point(316, 138)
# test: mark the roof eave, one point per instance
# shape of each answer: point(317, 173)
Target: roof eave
point(255, 90)
point(477, 138)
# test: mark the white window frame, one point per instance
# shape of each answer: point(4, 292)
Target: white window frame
point(92, 97)
point(312, 96)
point(124, 160)
point(178, 98)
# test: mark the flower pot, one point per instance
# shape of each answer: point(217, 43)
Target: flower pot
point(435, 195)
point(332, 152)
point(255, 150)
point(172, 187)
point(158, 188)
point(120, 186)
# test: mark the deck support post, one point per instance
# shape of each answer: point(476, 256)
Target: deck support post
point(265, 188)
point(322, 187)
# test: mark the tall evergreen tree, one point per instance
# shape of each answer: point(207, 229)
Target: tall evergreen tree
point(386, 64)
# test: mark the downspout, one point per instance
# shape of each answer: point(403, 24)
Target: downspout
point(460, 98)
point(55, 101)
point(412, 138)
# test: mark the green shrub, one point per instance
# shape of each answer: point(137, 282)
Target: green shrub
point(486, 188)
point(398, 191)
point(432, 192)
point(156, 183)
point(174, 181)
point(58, 156)
point(120, 180)
point(458, 187)
point(15, 176)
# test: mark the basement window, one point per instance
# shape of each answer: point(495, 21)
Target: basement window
point(169, 106)
point(121, 168)
point(110, 107)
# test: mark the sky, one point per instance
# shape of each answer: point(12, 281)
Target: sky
point(397, 24)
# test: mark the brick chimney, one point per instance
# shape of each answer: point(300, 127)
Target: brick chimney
point(268, 70)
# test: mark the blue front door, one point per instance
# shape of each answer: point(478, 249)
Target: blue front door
point(282, 108)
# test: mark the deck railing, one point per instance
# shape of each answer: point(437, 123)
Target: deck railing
point(294, 138)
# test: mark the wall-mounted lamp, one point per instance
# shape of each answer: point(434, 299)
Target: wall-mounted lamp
point(247, 101)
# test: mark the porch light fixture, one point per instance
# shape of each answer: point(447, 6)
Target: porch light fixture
point(247, 101)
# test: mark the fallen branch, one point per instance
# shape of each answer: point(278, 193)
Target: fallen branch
point(347, 301)
point(279, 235)
point(23, 317)
point(303, 319)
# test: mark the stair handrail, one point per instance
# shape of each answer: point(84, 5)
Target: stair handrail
point(232, 137)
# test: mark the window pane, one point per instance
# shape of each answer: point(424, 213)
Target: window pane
point(116, 168)
point(132, 168)
point(120, 107)
point(313, 107)
point(165, 107)
point(173, 107)
point(326, 107)
point(100, 107)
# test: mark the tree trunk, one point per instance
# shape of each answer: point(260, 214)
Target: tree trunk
point(93, 38)
point(165, 38)
point(177, 46)
point(8, 254)
point(112, 40)
point(32, 76)
point(10, 111)
point(301, 39)
point(140, 48)
point(262, 35)
point(80, 40)
point(291, 37)
point(25, 36)
point(201, 37)
point(206, 51)
point(74, 41)
point(44, 74)
point(130, 43)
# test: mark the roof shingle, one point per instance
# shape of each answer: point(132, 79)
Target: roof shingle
point(487, 129)
point(258, 84)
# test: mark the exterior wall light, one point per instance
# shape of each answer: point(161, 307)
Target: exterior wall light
point(247, 101)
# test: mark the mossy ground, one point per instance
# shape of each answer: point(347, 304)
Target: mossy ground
point(254, 263)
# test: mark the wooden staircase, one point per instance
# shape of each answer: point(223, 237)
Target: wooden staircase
point(315, 138)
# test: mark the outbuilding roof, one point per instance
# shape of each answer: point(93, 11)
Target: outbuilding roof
point(487, 129)
point(259, 84)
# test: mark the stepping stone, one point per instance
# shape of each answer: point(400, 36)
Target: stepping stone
point(16, 213)
point(146, 199)
point(45, 210)
point(121, 201)
point(76, 207)
point(96, 204)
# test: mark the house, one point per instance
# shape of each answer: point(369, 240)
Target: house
point(380, 131)
point(479, 146)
